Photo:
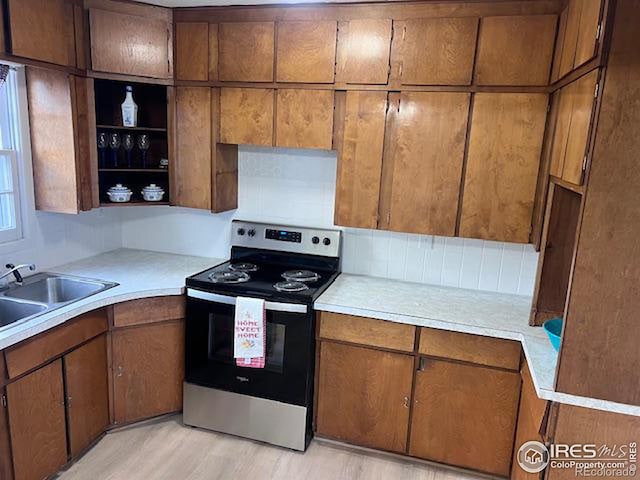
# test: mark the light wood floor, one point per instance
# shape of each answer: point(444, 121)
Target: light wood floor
point(168, 450)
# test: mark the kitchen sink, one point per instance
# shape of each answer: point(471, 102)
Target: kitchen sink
point(13, 310)
point(43, 293)
point(51, 290)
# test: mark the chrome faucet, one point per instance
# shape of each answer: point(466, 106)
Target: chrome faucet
point(15, 270)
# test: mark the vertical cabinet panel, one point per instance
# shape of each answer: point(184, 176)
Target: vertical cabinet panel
point(502, 166)
point(360, 147)
point(148, 369)
point(6, 463)
point(43, 30)
point(56, 175)
point(194, 143)
point(130, 44)
point(505, 53)
point(37, 421)
point(423, 162)
point(192, 51)
point(246, 51)
point(364, 396)
point(464, 415)
point(246, 116)
point(304, 118)
point(363, 51)
point(306, 52)
point(87, 393)
point(438, 51)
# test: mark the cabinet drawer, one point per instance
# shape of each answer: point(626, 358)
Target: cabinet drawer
point(42, 348)
point(493, 352)
point(367, 331)
point(148, 310)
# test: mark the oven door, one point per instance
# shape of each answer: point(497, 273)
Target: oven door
point(209, 361)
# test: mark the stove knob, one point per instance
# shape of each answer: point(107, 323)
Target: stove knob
point(326, 241)
point(241, 231)
point(251, 233)
point(315, 240)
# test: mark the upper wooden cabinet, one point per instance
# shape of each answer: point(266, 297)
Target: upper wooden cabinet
point(246, 116)
point(306, 52)
point(60, 106)
point(464, 415)
point(505, 53)
point(437, 51)
point(573, 122)
point(136, 41)
point(364, 396)
point(578, 35)
point(359, 139)
point(246, 51)
point(192, 51)
point(423, 162)
point(363, 51)
point(43, 30)
point(502, 166)
point(36, 405)
point(304, 118)
point(194, 119)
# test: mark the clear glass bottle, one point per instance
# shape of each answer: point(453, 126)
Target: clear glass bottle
point(129, 110)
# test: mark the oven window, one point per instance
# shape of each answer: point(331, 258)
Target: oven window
point(221, 342)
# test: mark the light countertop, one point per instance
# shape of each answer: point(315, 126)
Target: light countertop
point(139, 273)
point(469, 311)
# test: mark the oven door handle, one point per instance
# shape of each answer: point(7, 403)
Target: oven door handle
point(276, 306)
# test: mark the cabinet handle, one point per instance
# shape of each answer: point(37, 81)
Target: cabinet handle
point(422, 364)
point(69, 401)
point(120, 371)
point(405, 404)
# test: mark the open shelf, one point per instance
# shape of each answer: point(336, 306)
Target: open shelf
point(136, 203)
point(133, 129)
point(134, 170)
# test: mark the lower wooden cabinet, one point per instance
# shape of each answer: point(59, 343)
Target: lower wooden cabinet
point(148, 370)
point(37, 421)
point(85, 373)
point(6, 464)
point(464, 415)
point(364, 396)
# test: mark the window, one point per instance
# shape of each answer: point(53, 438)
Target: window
point(10, 195)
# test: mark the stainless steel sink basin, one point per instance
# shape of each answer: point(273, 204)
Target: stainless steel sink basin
point(52, 290)
point(13, 310)
point(44, 292)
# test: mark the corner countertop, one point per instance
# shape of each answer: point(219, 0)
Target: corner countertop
point(139, 273)
point(469, 311)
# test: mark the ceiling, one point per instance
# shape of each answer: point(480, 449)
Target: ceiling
point(218, 3)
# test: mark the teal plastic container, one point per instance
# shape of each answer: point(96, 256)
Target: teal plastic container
point(553, 328)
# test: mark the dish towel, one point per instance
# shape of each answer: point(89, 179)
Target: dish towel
point(250, 332)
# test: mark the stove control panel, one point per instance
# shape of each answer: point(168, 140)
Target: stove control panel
point(313, 241)
point(283, 235)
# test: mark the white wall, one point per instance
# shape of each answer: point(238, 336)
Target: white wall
point(297, 187)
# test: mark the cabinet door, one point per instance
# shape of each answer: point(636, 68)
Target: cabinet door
point(502, 166)
point(193, 145)
point(148, 369)
point(87, 393)
point(304, 118)
point(6, 464)
point(423, 162)
point(438, 51)
point(37, 421)
point(306, 52)
point(505, 56)
point(61, 178)
point(192, 51)
point(360, 145)
point(43, 30)
point(364, 396)
point(130, 44)
point(588, 32)
point(530, 418)
point(246, 51)
point(363, 51)
point(578, 35)
point(464, 415)
point(246, 116)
